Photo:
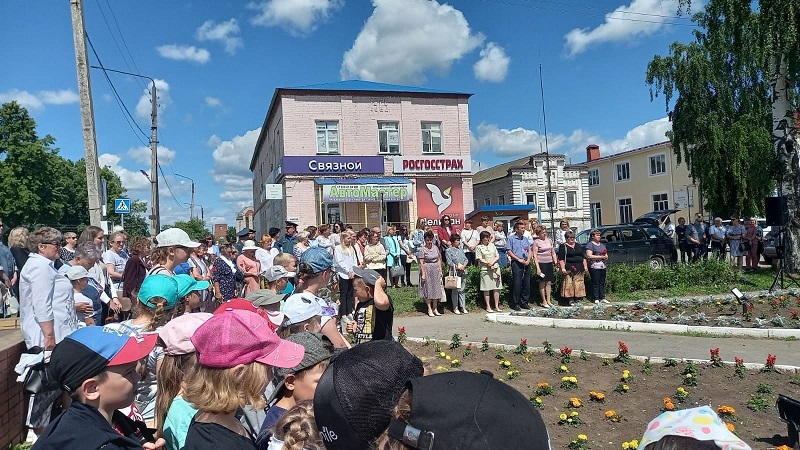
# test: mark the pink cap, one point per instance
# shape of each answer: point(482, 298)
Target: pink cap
point(177, 333)
point(240, 337)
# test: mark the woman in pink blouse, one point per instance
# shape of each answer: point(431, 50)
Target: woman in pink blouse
point(544, 256)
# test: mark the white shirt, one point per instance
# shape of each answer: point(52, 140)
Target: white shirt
point(470, 238)
point(80, 298)
point(112, 257)
point(265, 257)
point(45, 295)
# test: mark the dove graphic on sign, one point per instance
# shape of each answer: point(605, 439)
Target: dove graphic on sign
point(442, 199)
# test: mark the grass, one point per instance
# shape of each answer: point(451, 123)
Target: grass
point(406, 300)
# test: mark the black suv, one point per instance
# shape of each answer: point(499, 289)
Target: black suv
point(635, 244)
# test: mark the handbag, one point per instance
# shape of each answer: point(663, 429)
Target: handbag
point(397, 270)
point(38, 379)
point(452, 281)
point(10, 302)
point(745, 246)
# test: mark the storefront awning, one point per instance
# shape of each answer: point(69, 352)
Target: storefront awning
point(502, 210)
point(382, 180)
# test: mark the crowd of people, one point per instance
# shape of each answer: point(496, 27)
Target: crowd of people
point(744, 242)
point(165, 343)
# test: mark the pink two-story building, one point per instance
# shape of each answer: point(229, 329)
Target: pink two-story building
point(362, 153)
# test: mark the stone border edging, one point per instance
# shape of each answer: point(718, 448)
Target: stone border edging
point(662, 328)
point(653, 359)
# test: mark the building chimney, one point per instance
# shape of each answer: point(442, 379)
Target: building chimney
point(592, 152)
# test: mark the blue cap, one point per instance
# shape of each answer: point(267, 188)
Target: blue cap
point(162, 286)
point(187, 284)
point(318, 258)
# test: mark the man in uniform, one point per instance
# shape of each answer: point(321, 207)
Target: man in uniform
point(286, 243)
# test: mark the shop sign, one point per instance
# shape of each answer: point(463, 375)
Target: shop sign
point(432, 164)
point(354, 193)
point(314, 165)
point(438, 197)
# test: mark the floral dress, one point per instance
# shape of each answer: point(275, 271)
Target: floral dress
point(431, 287)
point(223, 273)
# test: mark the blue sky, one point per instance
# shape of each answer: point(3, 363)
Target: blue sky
point(217, 65)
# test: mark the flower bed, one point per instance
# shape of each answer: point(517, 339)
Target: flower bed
point(587, 398)
point(762, 311)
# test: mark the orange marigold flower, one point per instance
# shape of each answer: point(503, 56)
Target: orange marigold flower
point(541, 385)
point(667, 400)
point(610, 413)
point(669, 406)
point(730, 427)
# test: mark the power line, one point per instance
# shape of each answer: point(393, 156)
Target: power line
point(174, 197)
point(574, 12)
point(122, 38)
point(124, 108)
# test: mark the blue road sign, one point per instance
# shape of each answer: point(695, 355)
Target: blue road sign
point(122, 206)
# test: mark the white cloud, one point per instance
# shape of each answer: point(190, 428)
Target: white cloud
point(134, 181)
point(402, 39)
point(213, 141)
point(519, 142)
point(184, 53)
point(38, 100)
point(650, 15)
point(493, 65)
point(299, 17)
point(225, 32)
point(213, 102)
point(231, 167)
point(143, 154)
point(143, 108)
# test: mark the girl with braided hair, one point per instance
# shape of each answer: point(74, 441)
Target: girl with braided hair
point(158, 297)
point(296, 430)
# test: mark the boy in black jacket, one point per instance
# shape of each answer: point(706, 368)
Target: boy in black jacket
point(98, 367)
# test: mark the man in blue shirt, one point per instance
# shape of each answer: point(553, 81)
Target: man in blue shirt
point(519, 253)
point(286, 243)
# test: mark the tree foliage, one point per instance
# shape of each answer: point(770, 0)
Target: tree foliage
point(195, 228)
point(38, 186)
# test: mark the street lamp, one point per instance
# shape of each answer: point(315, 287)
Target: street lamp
point(202, 212)
point(191, 211)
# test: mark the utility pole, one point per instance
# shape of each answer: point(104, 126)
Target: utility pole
point(202, 214)
point(191, 205)
point(548, 198)
point(155, 217)
point(87, 113)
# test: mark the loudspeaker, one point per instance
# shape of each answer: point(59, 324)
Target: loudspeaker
point(777, 211)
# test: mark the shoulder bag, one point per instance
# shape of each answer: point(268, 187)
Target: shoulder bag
point(452, 281)
point(38, 379)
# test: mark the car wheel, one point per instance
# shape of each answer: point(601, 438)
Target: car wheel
point(656, 263)
point(768, 260)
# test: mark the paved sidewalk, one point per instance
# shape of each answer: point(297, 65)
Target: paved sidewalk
point(473, 327)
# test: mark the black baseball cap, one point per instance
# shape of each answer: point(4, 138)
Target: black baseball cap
point(459, 410)
point(355, 397)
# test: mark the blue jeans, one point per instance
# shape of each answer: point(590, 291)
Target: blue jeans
point(522, 283)
point(503, 257)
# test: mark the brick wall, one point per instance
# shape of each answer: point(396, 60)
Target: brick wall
point(13, 403)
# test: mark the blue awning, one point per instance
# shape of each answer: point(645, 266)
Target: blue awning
point(382, 180)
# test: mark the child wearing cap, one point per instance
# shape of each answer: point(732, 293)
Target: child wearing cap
point(173, 413)
point(173, 249)
point(270, 298)
point(158, 295)
point(97, 366)
point(316, 271)
point(189, 293)
point(235, 350)
point(296, 384)
point(79, 277)
point(374, 313)
point(288, 262)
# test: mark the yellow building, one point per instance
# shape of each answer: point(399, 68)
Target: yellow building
point(626, 185)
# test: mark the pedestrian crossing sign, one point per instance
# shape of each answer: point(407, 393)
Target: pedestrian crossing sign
point(122, 206)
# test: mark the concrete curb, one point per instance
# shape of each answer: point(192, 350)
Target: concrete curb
point(653, 359)
point(664, 328)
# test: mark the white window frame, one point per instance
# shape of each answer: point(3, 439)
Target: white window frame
point(596, 214)
point(428, 132)
point(574, 199)
point(594, 175)
point(530, 198)
point(551, 201)
point(617, 174)
point(619, 210)
point(650, 172)
point(388, 131)
point(653, 201)
point(325, 127)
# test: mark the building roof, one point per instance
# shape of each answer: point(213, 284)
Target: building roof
point(626, 153)
point(501, 170)
point(370, 86)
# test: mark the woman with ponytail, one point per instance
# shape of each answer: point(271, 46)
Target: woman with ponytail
point(158, 297)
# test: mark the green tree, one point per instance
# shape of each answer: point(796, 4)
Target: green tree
point(77, 213)
point(726, 87)
point(230, 235)
point(135, 223)
point(195, 228)
point(34, 187)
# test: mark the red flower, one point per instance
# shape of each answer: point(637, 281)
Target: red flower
point(523, 341)
point(486, 340)
point(738, 360)
point(795, 314)
point(566, 351)
point(401, 329)
point(715, 351)
point(622, 347)
point(771, 360)
point(749, 307)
